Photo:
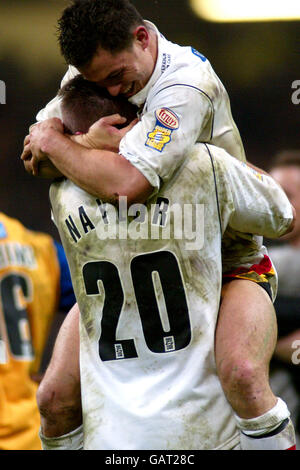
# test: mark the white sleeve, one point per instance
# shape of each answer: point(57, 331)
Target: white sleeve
point(53, 218)
point(52, 109)
point(175, 117)
point(260, 205)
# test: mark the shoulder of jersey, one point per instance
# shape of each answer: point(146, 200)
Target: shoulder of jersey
point(190, 68)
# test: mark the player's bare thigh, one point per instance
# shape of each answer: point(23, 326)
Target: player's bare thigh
point(245, 340)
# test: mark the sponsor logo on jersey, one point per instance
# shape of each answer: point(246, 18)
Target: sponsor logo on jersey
point(166, 122)
point(167, 118)
point(198, 54)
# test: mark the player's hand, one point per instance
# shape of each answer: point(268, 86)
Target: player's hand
point(104, 134)
point(46, 169)
point(32, 153)
point(26, 154)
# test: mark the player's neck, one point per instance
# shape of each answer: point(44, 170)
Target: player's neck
point(153, 46)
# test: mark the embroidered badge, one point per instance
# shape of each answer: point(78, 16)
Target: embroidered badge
point(166, 122)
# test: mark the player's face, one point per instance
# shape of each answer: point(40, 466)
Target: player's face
point(122, 73)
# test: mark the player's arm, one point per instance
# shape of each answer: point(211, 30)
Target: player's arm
point(104, 134)
point(260, 205)
point(102, 173)
point(263, 172)
point(153, 149)
point(160, 141)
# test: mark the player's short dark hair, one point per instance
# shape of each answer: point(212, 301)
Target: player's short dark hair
point(87, 24)
point(84, 102)
point(284, 158)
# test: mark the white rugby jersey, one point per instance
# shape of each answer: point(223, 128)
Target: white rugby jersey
point(184, 102)
point(148, 283)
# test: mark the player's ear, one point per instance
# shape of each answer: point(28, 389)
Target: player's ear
point(141, 35)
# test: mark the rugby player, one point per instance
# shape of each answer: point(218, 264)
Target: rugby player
point(128, 353)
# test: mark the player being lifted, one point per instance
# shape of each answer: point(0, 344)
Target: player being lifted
point(149, 372)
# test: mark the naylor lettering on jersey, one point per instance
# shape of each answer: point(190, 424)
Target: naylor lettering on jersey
point(84, 225)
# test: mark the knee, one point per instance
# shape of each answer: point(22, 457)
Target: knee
point(55, 399)
point(46, 399)
point(240, 375)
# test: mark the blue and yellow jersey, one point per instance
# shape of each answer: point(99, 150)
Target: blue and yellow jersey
point(34, 285)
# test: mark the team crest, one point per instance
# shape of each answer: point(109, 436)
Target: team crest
point(166, 122)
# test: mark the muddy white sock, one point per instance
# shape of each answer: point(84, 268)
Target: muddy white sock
point(271, 431)
point(70, 441)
